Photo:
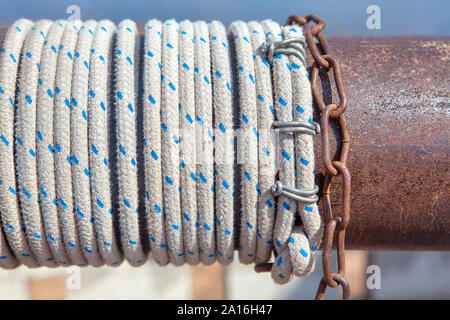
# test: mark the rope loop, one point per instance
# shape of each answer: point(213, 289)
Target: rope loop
point(295, 248)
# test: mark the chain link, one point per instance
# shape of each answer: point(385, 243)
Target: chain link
point(334, 225)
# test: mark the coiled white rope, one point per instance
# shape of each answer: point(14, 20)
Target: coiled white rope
point(267, 171)
point(221, 75)
point(61, 138)
point(204, 141)
point(293, 246)
point(79, 144)
point(170, 141)
point(248, 124)
point(44, 142)
point(99, 131)
point(9, 208)
point(287, 208)
point(25, 138)
point(152, 141)
point(188, 145)
point(126, 78)
point(178, 122)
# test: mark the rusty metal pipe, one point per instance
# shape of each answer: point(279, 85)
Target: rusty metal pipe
point(398, 118)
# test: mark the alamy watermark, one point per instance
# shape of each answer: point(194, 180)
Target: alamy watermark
point(75, 13)
point(243, 146)
point(73, 279)
point(374, 278)
point(373, 21)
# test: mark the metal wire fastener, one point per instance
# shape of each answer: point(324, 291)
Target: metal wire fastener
point(297, 126)
point(300, 195)
point(291, 46)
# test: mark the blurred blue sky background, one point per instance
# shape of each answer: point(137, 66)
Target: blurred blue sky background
point(345, 17)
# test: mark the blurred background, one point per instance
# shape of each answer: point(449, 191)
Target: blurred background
point(401, 275)
point(345, 17)
point(373, 275)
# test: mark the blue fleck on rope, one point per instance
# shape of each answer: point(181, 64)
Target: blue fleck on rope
point(116, 146)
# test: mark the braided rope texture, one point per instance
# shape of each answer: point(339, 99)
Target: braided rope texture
point(115, 146)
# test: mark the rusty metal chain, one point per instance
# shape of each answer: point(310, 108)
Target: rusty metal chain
point(334, 225)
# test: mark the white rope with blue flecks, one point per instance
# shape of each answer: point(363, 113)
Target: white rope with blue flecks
point(248, 136)
point(152, 141)
point(266, 164)
point(221, 74)
point(170, 141)
point(79, 145)
point(304, 157)
point(16, 250)
point(126, 83)
point(198, 84)
point(25, 143)
point(44, 142)
point(188, 198)
point(99, 134)
point(61, 139)
point(204, 143)
point(291, 243)
point(287, 207)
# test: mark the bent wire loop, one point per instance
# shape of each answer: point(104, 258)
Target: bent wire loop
point(297, 126)
point(288, 46)
point(300, 195)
